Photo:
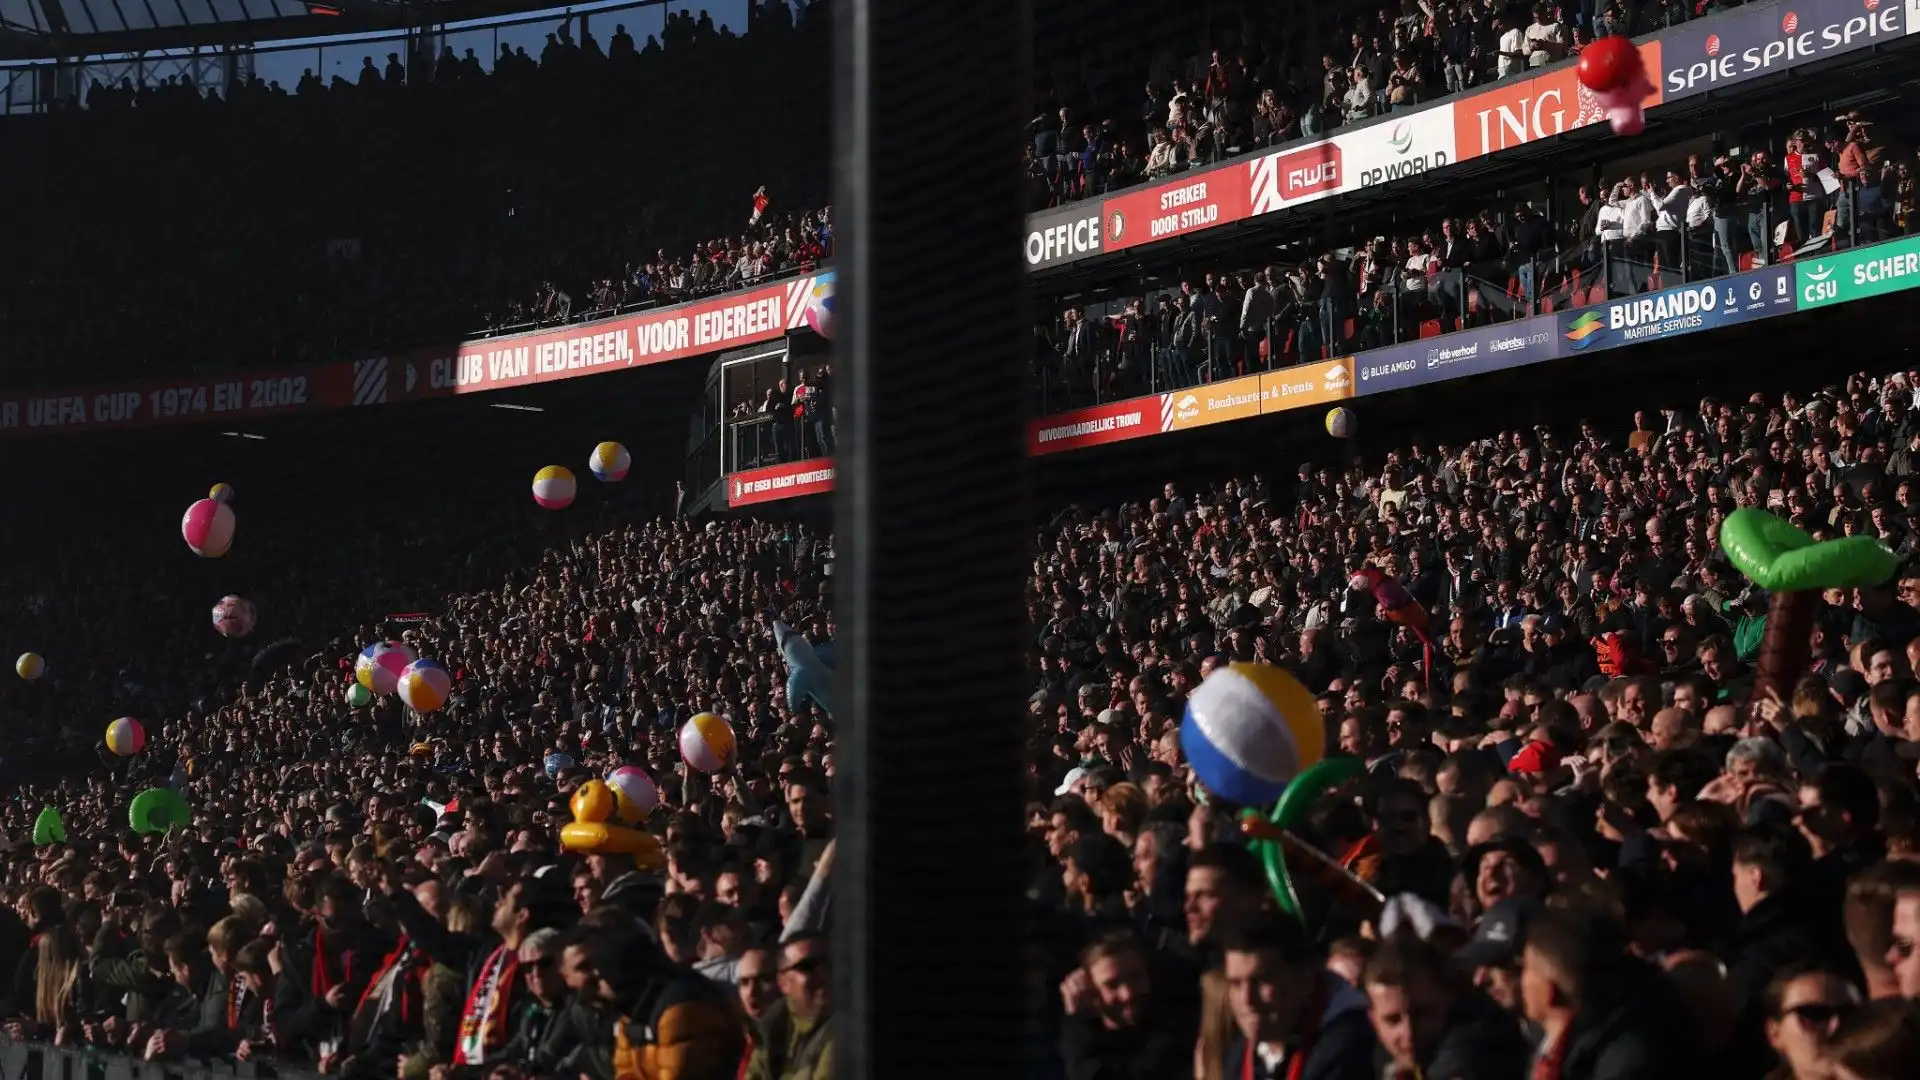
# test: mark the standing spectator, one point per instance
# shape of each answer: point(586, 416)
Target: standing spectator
point(1755, 189)
point(1511, 47)
point(1546, 38)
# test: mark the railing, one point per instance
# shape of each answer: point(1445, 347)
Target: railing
point(773, 439)
point(1124, 357)
point(45, 1061)
point(659, 299)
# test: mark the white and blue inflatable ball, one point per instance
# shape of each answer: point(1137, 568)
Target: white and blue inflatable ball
point(1341, 423)
point(557, 761)
point(1249, 730)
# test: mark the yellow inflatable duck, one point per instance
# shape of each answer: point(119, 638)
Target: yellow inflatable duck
point(593, 833)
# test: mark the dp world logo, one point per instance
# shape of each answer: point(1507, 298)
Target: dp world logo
point(1585, 330)
point(1713, 44)
point(1401, 138)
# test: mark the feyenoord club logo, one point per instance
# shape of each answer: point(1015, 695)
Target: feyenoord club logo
point(1116, 226)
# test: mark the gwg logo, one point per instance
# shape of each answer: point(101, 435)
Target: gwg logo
point(1820, 287)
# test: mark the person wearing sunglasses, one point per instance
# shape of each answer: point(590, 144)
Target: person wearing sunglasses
point(1805, 1004)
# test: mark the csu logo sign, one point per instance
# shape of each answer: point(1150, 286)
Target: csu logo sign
point(1818, 285)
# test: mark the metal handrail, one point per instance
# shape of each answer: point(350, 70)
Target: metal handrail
point(45, 1061)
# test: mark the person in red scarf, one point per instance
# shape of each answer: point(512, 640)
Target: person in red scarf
point(497, 990)
point(1294, 1020)
point(1602, 1013)
point(334, 965)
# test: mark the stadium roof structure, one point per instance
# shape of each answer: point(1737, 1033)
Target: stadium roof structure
point(69, 29)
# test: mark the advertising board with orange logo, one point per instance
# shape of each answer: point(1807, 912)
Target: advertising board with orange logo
point(1520, 111)
point(1215, 403)
point(1306, 385)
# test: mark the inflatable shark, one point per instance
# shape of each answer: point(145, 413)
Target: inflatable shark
point(809, 669)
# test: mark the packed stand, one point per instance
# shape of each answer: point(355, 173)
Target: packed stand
point(1282, 73)
point(1598, 856)
point(1831, 185)
point(361, 891)
point(391, 212)
point(1595, 854)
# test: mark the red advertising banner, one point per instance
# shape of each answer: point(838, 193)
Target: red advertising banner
point(185, 400)
point(651, 337)
point(1194, 202)
point(1111, 423)
point(1520, 111)
point(1288, 177)
point(775, 482)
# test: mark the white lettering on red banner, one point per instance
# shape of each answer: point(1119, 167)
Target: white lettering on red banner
point(757, 315)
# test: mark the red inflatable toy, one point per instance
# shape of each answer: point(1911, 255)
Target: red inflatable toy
point(1611, 67)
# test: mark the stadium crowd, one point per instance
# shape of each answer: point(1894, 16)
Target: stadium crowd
point(1598, 857)
point(1705, 215)
point(1279, 74)
point(389, 212)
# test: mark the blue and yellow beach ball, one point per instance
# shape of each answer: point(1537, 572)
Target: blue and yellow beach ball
point(1249, 730)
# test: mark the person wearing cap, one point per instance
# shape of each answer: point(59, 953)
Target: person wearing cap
point(1430, 1025)
point(1492, 956)
point(1503, 868)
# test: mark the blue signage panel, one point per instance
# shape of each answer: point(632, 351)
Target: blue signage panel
point(1711, 54)
point(1456, 356)
point(1684, 309)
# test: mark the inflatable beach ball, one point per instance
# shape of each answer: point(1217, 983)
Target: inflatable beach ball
point(553, 487)
point(208, 528)
point(221, 493)
point(1249, 730)
point(610, 462)
point(125, 736)
point(30, 666)
point(1341, 423)
point(359, 697)
point(634, 793)
point(380, 664)
point(233, 616)
point(819, 310)
point(424, 686)
point(556, 762)
point(706, 742)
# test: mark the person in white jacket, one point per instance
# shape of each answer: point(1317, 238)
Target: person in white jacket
point(1638, 211)
point(1672, 196)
